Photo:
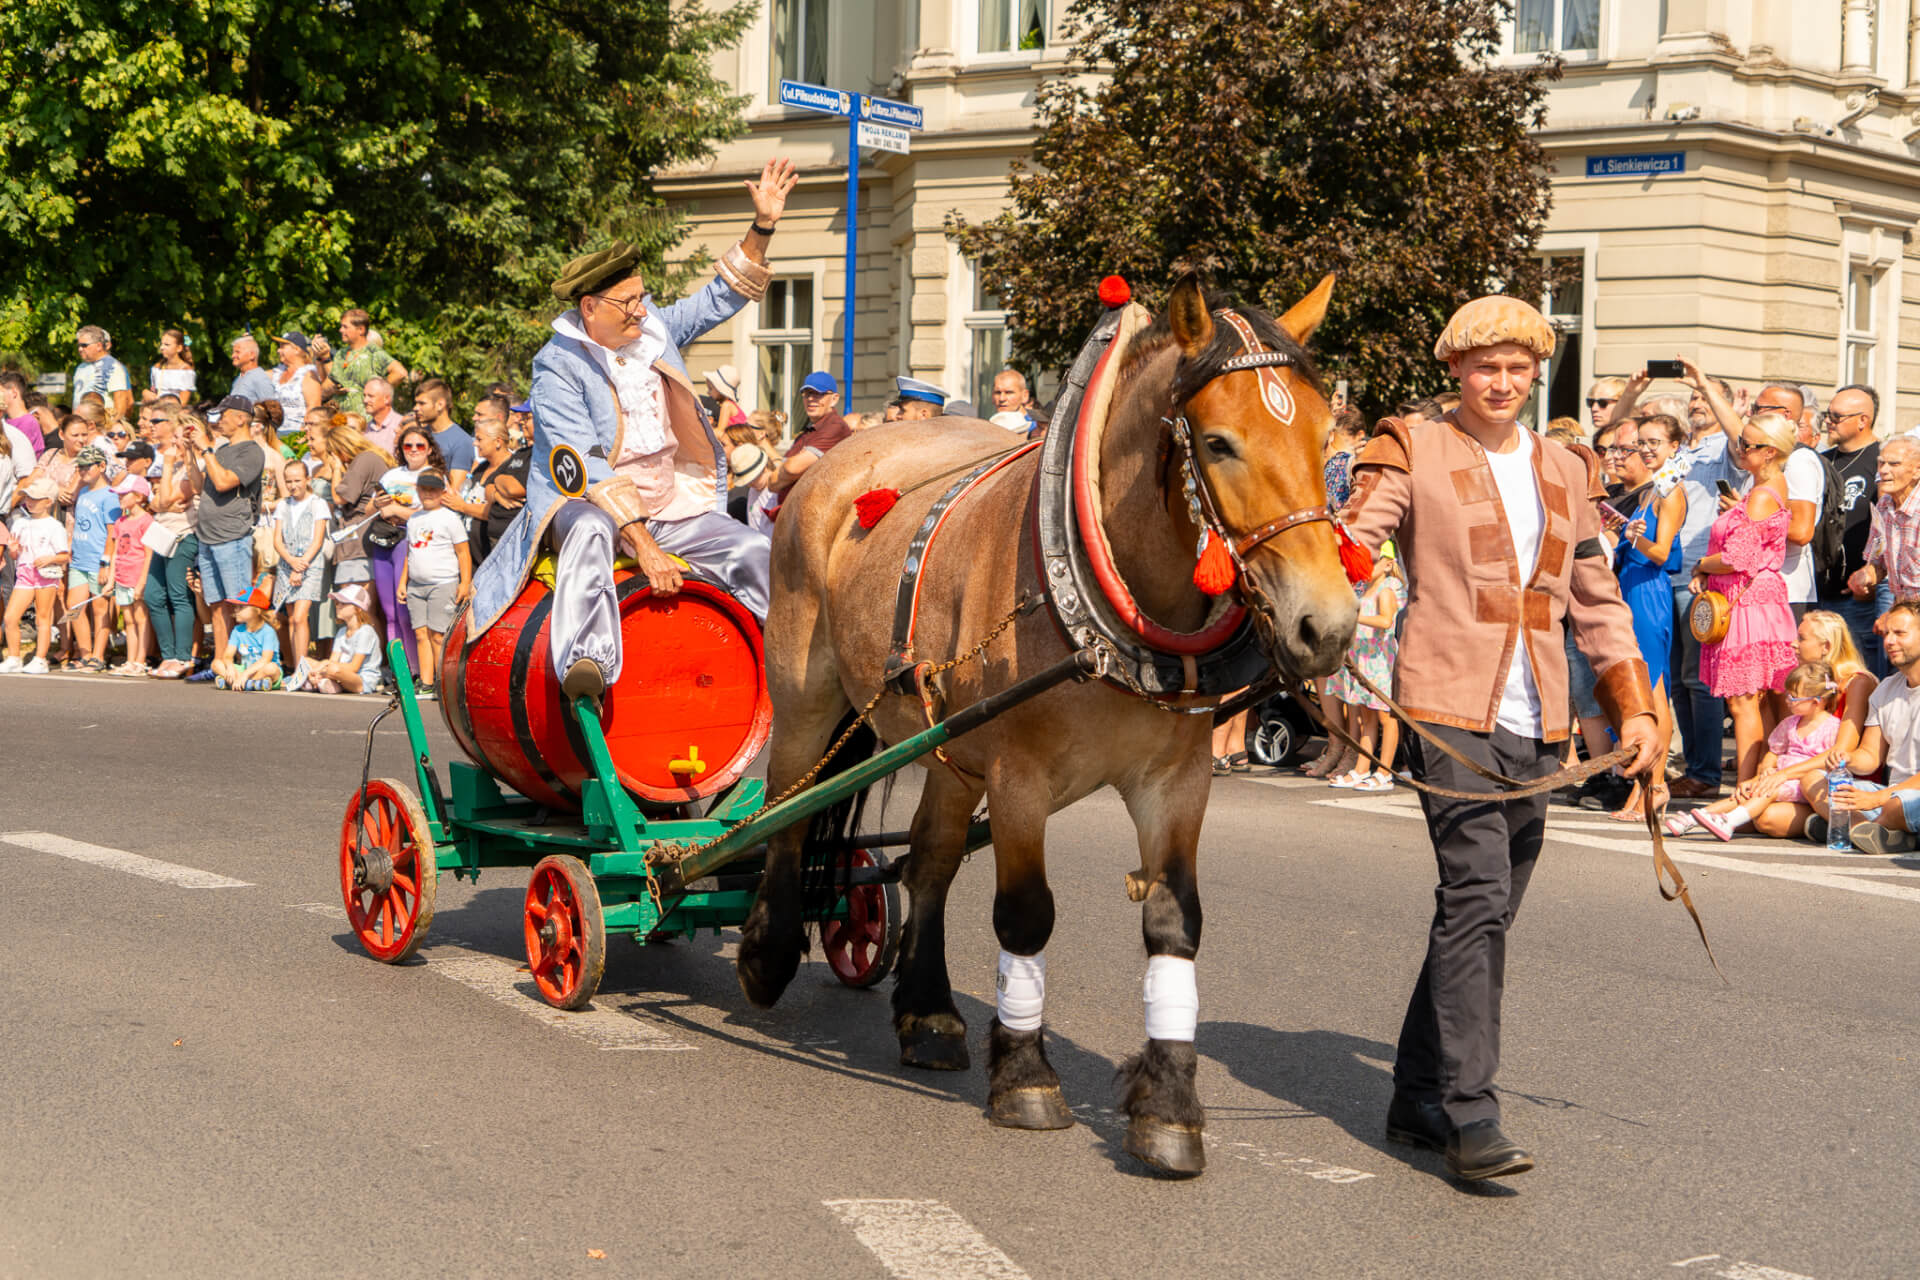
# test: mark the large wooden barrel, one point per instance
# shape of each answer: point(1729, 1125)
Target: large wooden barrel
point(692, 686)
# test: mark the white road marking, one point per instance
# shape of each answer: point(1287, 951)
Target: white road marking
point(607, 1028)
point(923, 1240)
point(1110, 1119)
point(332, 910)
point(120, 860)
point(1851, 878)
point(1741, 1270)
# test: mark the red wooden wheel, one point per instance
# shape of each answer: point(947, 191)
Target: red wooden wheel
point(860, 948)
point(566, 936)
point(388, 872)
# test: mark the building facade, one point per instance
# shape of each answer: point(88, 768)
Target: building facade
point(1737, 182)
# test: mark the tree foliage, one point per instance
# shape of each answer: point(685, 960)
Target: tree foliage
point(1265, 143)
point(214, 164)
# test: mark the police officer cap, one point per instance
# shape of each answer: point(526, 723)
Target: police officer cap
point(593, 272)
point(914, 389)
point(1492, 320)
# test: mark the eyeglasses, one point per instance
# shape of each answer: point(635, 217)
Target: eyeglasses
point(1773, 408)
point(632, 311)
point(409, 448)
point(119, 435)
point(1619, 450)
point(1593, 403)
point(1833, 419)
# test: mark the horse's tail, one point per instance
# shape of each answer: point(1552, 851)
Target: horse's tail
point(825, 857)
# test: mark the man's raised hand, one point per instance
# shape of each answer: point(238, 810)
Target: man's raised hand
point(770, 193)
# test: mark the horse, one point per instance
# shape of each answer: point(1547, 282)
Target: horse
point(827, 642)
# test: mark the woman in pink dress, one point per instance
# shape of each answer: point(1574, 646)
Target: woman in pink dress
point(1744, 554)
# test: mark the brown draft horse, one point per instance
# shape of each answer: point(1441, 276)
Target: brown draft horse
point(828, 636)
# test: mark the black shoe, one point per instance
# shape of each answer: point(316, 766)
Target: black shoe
point(1417, 1122)
point(1478, 1151)
point(1816, 832)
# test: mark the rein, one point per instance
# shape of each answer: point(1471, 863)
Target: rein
point(1666, 876)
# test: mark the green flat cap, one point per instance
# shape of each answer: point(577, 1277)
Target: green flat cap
point(592, 272)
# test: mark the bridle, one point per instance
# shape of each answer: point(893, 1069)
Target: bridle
point(1201, 508)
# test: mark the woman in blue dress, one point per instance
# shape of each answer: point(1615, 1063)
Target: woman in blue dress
point(1646, 519)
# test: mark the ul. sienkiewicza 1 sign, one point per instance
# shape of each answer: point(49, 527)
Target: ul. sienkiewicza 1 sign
point(1652, 164)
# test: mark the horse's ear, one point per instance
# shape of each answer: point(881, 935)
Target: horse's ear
point(1188, 316)
point(1305, 315)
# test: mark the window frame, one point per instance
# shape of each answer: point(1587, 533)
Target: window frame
point(971, 27)
point(1586, 247)
point(774, 77)
point(1508, 55)
point(976, 319)
point(758, 339)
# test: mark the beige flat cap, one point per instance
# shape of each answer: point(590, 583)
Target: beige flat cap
point(1489, 321)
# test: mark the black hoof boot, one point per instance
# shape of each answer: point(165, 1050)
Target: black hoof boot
point(766, 965)
point(933, 1042)
point(1023, 1092)
point(1164, 1117)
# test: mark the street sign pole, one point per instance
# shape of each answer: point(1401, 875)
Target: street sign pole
point(853, 239)
point(890, 124)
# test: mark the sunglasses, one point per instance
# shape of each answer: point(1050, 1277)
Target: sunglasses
point(1741, 444)
point(409, 448)
point(118, 435)
point(1601, 404)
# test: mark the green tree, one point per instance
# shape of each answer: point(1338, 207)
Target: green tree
point(1265, 144)
point(268, 163)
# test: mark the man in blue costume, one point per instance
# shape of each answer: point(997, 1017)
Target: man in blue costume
point(623, 454)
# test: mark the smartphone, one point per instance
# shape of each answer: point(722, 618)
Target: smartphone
point(1613, 511)
point(1726, 490)
point(1666, 369)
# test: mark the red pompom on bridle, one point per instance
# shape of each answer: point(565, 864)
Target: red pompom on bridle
point(1115, 292)
point(1216, 573)
point(1354, 558)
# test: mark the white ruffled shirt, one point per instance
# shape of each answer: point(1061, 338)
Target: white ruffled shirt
point(647, 445)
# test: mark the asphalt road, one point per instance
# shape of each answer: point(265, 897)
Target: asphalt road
point(216, 1082)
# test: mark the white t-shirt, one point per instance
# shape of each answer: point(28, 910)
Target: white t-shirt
point(1806, 482)
point(1526, 521)
point(299, 519)
point(41, 536)
point(362, 641)
point(17, 467)
point(1894, 709)
point(431, 536)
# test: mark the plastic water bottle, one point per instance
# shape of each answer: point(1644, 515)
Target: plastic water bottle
point(1839, 821)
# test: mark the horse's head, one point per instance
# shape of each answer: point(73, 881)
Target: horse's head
point(1256, 417)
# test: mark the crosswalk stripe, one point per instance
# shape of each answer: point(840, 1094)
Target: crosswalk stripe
point(120, 860)
point(923, 1240)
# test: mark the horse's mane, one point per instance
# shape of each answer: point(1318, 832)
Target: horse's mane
point(1193, 373)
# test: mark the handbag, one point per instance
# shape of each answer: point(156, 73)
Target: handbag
point(384, 533)
point(160, 540)
point(1710, 614)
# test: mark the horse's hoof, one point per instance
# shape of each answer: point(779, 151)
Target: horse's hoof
point(1030, 1109)
point(1172, 1150)
point(760, 986)
point(932, 1050)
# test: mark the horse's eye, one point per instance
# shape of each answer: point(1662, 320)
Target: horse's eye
point(1219, 447)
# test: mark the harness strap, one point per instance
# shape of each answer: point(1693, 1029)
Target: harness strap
point(906, 604)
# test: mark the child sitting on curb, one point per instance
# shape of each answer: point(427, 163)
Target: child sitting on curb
point(1799, 749)
point(354, 666)
point(252, 660)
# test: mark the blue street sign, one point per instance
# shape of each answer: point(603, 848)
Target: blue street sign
point(813, 97)
point(1651, 164)
point(872, 115)
point(886, 111)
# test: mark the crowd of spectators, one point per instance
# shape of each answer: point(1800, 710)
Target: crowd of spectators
point(286, 533)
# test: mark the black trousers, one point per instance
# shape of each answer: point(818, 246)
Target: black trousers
point(1450, 1040)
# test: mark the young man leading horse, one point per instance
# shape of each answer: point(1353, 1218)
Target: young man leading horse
point(1500, 537)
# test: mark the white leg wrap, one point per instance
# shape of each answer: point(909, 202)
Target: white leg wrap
point(1021, 990)
point(1173, 999)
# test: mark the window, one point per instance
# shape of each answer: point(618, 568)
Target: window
point(799, 43)
point(1862, 337)
point(986, 324)
point(1560, 390)
point(1556, 26)
point(784, 346)
point(1009, 25)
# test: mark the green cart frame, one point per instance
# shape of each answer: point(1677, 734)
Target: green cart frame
point(615, 868)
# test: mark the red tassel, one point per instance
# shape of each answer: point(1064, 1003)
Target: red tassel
point(873, 504)
point(1114, 292)
point(1215, 574)
point(1354, 558)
